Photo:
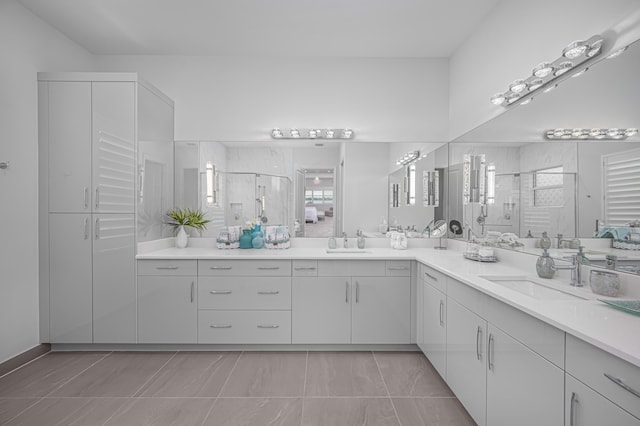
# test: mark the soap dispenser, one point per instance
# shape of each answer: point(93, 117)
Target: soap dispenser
point(545, 266)
point(360, 236)
point(545, 242)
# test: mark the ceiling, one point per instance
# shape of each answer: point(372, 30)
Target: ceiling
point(302, 28)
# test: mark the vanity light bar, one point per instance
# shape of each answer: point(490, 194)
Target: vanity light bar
point(294, 133)
point(408, 158)
point(597, 134)
point(544, 74)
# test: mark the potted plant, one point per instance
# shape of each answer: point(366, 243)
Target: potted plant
point(179, 218)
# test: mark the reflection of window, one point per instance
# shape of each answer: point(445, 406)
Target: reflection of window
point(548, 187)
point(621, 174)
point(318, 196)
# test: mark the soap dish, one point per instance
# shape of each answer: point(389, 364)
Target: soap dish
point(630, 306)
point(478, 258)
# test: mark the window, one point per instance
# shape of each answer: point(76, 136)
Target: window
point(318, 196)
point(621, 187)
point(548, 187)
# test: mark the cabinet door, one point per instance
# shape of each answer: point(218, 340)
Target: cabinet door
point(466, 359)
point(321, 310)
point(70, 278)
point(434, 327)
point(113, 118)
point(114, 295)
point(522, 387)
point(586, 407)
point(69, 147)
point(381, 310)
point(167, 310)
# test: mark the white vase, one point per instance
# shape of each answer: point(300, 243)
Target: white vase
point(182, 238)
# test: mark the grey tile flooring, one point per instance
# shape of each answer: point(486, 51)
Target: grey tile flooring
point(229, 389)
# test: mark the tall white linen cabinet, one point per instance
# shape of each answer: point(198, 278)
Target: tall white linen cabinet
point(96, 133)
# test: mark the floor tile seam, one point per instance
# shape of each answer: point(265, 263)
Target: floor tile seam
point(37, 401)
point(78, 374)
point(304, 387)
point(226, 381)
point(153, 375)
point(386, 387)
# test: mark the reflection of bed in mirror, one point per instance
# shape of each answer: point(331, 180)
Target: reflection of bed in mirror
point(311, 214)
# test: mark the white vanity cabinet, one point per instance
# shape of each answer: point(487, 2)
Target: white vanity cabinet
point(244, 301)
point(88, 124)
point(434, 317)
point(167, 301)
point(352, 301)
point(600, 387)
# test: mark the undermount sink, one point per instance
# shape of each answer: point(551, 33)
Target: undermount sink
point(347, 251)
point(531, 288)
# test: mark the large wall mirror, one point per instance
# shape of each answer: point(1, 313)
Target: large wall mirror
point(562, 187)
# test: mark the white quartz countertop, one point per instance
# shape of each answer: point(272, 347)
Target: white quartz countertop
point(587, 318)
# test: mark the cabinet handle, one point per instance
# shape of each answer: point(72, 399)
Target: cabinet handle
point(97, 197)
point(431, 276)
point(478, 340)
point(271, 268)
point(193, 287)
point(220, 267)
point(86, 197)
point(268, 292)
point(397, 268)
point(166, 267)
point(572, 412)
point(220, 326)
point(441, 313)
point(490, 351)
point(346, 292)
point(220, 292)
point(305, 269)
point(86, 228)
point(357, 292)
point(622, 384)
point(97, 230)
point(268, 326)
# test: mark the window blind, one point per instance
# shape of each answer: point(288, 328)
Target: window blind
point(621, 187)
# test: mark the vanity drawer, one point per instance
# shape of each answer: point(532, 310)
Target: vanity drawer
point(264, 293)
point(168, 267)
point(305, 268)
point(245, 327)
point(592, 365)
point(398, 268)
point(467, 296)
point(225, 268)
point(346, 268)
point(433, 277)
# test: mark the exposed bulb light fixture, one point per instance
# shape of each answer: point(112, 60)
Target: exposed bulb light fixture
point(543, 75)
point(595, 133)
point(313, 133)
point(409, 157)
point(617, 53)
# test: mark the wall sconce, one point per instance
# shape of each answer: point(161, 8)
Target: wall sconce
point(474, 174)
point(212, 184)
point(395, 190)
point(408, 158)
point(546, 74)
point(295, 133)
point(597, 134)
point(491, 184)
point(431, 188)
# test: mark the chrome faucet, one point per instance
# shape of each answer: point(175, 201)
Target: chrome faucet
point(574, 242)
point(576, 276)
point(345, 240)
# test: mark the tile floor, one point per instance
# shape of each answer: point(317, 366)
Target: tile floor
point(229, 388)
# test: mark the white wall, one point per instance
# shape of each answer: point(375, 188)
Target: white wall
point(517, 36)
point(242, 99)
point(27, 45)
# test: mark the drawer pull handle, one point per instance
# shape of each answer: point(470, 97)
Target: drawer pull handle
point(220, 326)
point(193, 293)
point(97, 197)
point(268, 292)
point(268, 326)
point(166, 267)
point(431, 276)
point(305, 269)
point(622, 384)
point(220, 267)
point(478, 340)
point(489, 352)
point(270, 268)
point(572, 415)
point(357, 292)
point(346, 292)
point(86, 197)
point(97, 230)
point(441, 313)
point(220, 292)
point(397, 268)
point(86, 228)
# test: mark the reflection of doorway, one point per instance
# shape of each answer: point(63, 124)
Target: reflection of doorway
point(315, 202)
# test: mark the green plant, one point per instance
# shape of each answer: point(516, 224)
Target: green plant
point(187, 217)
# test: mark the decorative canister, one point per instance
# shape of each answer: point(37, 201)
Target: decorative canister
point(245, 239)
point(604, 283)
point(545, 265)
point(258, 241)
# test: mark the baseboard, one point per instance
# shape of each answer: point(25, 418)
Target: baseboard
point(23, 358)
